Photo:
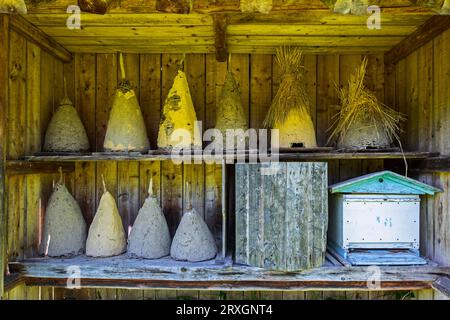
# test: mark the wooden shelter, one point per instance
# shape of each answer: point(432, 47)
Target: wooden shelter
point(408, 69)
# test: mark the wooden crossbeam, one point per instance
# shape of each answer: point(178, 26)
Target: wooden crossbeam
point(429, 30)
point(33, 34)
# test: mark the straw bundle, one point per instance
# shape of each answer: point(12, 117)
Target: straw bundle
point(64, 225)
point(363, 121)
point(13, 6)
point(149, 237)
point(65, 132)
point(289, 112)
point(230, 113)
point(126, 130)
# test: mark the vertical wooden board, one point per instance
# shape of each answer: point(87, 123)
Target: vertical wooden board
point(128, 192)
point(172, 194)
point(18, 293)
point(442, 220)
point(85, 194)
point(74, 294)
point(132, 69)
point(169, 70)
point(272, 295)
point(425, 294)
point(46, 91)
point(106, 170)
point(215, 78)
point(16, 217)
point(165, 295)
point(69, 76)
point(240, 67)
point(195, 65)
point(149, 294)
point(370, 166)
point(427, 210)
point(213, 200)
point(4, 89)
point(85, 100)
point(150, 94)
point(32, 293)
point(334, 295)
point(242, 213)
point(425, 97)
point(319, 207)
point(311, 85)
point(357, 295)
point(260, 88)
point(314, 295)
point(349, 169)
point(187, 294)
point(256, 219)
point(441, 93)
point(17, 95)
point(400, 97)
point(46, 293)
point(412, 85)
point(58, 82)
point(252, 295)
point(105, 294)
point(33, 117)
point(33, 214)
point(106, 84)
point(210, 295)
point(298, 217)
point(235, 295)
point(375, 75)
point(149, 171)
point(130, 294)
point(293, 295)
point(194, 179)
point(327, 99)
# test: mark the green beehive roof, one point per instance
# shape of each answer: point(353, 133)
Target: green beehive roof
point(384, 182)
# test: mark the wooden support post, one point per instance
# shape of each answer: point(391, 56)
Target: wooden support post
point(430, 29)
point(35, 35)
point(220, 38)
point(174, 6)
point(4, 49)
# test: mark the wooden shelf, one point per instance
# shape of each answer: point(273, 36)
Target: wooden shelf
point(168, 274)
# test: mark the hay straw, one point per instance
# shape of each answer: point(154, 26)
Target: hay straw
point(358, 102)
point(292, 94)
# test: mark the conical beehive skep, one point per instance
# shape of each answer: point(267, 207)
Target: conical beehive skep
point(126, 131)
point(363, 121)
point(66, 132)
point(64, 226)
point(193, 241)
point(230, 112)
point(106, 236)
point(13, 6)
point(289, 111)
point(150, 237)
point(179, 114)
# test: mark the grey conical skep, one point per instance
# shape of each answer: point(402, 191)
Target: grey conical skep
point(193, 241)
point(65, 132)
point(64, 225)
point(149, 237)
point(106, 236)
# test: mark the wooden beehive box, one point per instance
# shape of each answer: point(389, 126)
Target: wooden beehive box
point(375, 219)
point(281, 215)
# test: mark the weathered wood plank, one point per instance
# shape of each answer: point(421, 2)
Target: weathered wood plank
point(33, 100)
point(128, 193)
point(260, 83)
point(106, 83)
point(4, 89)
point(172, 194)
point(430, 29)
point(85, 194)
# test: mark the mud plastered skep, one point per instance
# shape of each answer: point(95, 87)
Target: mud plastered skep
point(149, 237)
point(106, 236)
point(64, 226)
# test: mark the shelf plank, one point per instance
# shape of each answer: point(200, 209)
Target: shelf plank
point(19, 167)
point(282, 156)
point(121, 272)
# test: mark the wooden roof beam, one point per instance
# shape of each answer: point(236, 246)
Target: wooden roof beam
point(425, 33)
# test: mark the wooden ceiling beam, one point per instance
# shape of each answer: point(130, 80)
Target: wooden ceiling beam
point(429, 30)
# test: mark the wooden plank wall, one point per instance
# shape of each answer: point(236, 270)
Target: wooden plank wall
point(36, 88)
point(422, 82)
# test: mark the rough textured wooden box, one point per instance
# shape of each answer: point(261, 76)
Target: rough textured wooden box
point(281, 215)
